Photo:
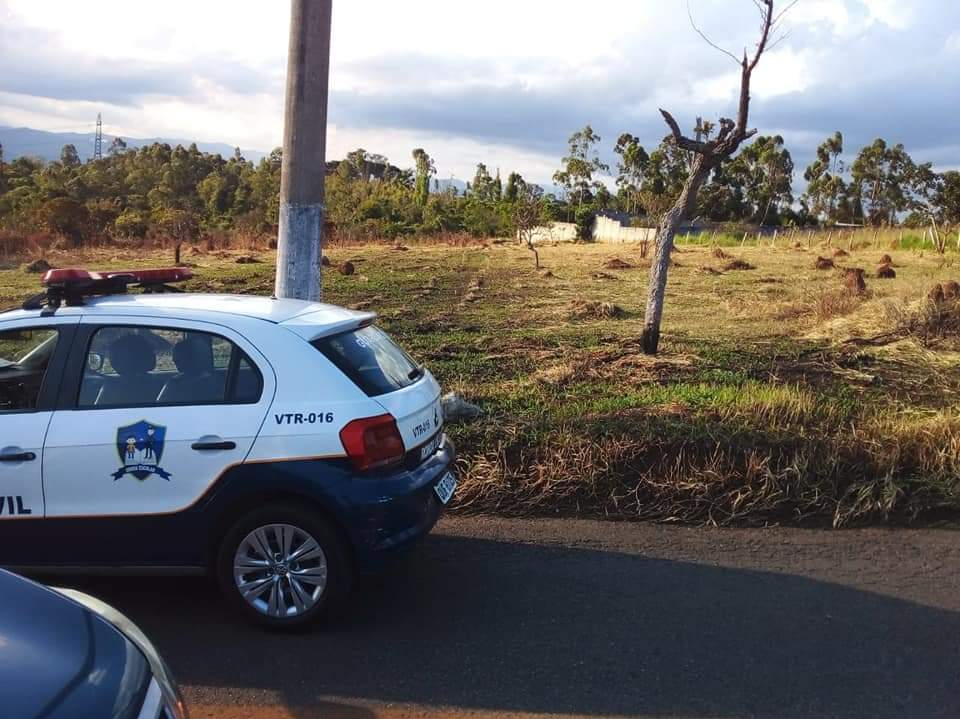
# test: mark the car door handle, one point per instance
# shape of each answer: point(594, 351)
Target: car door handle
point(21, 457)
point(212, 446)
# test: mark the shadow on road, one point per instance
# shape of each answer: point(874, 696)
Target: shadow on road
point(486, 625)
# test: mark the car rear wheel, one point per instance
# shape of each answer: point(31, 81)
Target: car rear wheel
point(283, 566)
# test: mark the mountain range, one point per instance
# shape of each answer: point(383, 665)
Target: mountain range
point(20, 141)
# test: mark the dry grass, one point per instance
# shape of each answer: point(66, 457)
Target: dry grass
point(777, 395)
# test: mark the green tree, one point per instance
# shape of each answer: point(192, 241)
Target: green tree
point(764, 169)
point(581, 162)
point(631, 170)
point(824, 176)
point(888, 182)
point(514, 179)
point(947, 198)
point(484, 187)
point(69, 157)
point(67, 217)
point(425, 169)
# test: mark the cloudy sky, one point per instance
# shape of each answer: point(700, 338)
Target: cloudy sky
point(499, 81)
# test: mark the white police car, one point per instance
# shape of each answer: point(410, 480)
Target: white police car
point(280, 444)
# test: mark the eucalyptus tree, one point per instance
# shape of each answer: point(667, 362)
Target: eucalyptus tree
point(764, 171)
point(425, 169)
point(825, 184)
point(888, 182)
point(631, 169)
point(581, 162)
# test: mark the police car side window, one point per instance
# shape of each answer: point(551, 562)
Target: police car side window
point(150, 366)
point(24, 357)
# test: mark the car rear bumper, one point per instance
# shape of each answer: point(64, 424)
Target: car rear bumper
point(392, 511)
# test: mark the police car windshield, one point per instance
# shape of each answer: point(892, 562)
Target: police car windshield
point(371, 359)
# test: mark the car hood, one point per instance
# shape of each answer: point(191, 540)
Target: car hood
point(61, 658)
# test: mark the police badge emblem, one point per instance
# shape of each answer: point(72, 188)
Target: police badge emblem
point(140, 447)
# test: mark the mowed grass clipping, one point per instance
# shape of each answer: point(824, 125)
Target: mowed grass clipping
point(778, 395)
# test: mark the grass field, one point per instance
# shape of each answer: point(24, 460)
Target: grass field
point(778, 396)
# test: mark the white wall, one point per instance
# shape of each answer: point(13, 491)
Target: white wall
point(607, 230)
point(555, 232)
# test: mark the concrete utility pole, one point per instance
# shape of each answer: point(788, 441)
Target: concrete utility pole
point(299, 245)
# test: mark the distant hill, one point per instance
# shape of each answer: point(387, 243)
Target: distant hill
point(19, 141)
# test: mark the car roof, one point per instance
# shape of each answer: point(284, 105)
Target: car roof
point(174, 304)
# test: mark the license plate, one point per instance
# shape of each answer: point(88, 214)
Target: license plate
point(445, 487)
point(431, 447)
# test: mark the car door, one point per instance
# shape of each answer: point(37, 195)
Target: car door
point(32, 356)
point(153, 412)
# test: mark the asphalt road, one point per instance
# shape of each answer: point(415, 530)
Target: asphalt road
point(502, 618)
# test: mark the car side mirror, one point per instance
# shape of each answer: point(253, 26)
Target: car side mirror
point(94, 361)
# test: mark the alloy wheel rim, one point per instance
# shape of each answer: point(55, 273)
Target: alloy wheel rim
point(280, 570)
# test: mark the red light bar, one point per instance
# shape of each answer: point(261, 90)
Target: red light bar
point(77, 277)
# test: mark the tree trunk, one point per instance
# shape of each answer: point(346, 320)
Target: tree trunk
point(656, 292)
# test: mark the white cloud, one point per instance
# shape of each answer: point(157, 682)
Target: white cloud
point(503, 81)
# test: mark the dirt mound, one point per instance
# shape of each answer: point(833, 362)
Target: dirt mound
point(944, 292)
point(886, 260)
point(38, 266)
point(854, 282)
point(617, 264)
point(720, 254)
point(823, 263)
point(738, 264)
point(346, 268)
point(247, 260)
point(841, 253)
point(886, 272)
point(581, 310)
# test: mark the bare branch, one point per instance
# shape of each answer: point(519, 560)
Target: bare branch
point(765, 34)
point(707, 40)
point(783, 12)
point(684, 143)
point(779, 40)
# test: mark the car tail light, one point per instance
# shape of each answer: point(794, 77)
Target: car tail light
point(373, 443)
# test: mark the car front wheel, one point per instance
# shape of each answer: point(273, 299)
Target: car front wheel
point(283, 566)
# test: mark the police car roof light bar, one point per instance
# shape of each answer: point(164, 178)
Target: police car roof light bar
point(70, 286)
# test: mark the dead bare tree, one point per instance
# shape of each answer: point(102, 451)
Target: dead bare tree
point(706, 156)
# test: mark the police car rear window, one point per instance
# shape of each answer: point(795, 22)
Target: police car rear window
point(371, 359)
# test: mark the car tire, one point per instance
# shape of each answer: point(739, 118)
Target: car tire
point(283, 587)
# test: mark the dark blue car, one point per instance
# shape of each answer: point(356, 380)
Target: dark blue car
point(66, 655)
